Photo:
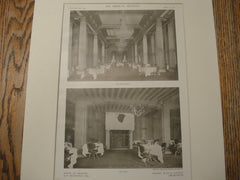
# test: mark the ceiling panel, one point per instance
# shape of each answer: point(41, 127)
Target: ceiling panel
point(122, 96)
point(114, 17)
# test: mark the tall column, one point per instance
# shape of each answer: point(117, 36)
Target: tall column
point(95, 50)
point(172, 45)
point(103, 52)
point(153, 49)
point(70, 60)
point(132, 54)
point(136, 52)
point(166, 124)
point(106, 60)
point(75, 44)
point(139, 59)
point(144, 128)
point(157, 125)
point(130, 139)
point(107, 139)
point(166, 46)
point(82, 56)
point(80, 133)
point(159, 46)
point(145, 50)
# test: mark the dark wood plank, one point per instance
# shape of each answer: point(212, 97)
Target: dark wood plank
point(16, 24)
point(227, 24)
point(15, 32)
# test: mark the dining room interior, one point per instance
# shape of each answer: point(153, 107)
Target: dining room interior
point(123, 45)
point(123, 128)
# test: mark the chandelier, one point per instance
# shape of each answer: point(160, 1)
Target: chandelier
point(124, 31)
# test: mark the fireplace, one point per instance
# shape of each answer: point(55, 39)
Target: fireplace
point(119, 130)
point(119, 139)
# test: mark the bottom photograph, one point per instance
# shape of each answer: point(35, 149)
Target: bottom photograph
point(123, 128)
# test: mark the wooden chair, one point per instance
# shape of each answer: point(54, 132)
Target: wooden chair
point(92, 149)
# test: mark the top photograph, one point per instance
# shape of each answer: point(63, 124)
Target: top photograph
point(122, 45)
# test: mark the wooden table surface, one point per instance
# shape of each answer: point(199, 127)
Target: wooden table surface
point(15, 26)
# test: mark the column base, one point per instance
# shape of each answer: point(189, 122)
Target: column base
point(79, 69)
point(162, 70)
point(172, 70)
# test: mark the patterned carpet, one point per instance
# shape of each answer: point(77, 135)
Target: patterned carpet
point(127, 159)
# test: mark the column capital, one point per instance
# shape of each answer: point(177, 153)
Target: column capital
point(83, 19)
point(161, 19)
point(80, 105)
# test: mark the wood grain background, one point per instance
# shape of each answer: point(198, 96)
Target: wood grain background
point(15, 34)
point(227, 25)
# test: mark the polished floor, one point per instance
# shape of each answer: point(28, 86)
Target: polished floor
point(127, 159)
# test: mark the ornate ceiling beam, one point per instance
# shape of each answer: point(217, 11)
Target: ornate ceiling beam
point(117, 38)
point(93, 23)
point(117, 26)
point(149, 23)
point(122, 102)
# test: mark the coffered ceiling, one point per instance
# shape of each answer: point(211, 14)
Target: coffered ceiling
point(122, 99)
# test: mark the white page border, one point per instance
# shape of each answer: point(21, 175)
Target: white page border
point(42, 89)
